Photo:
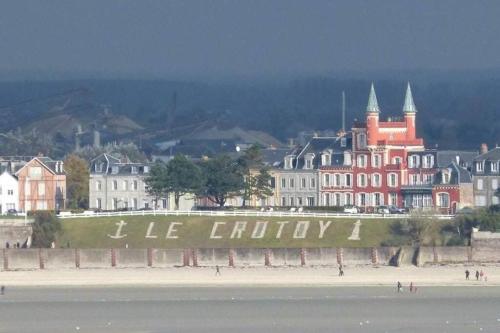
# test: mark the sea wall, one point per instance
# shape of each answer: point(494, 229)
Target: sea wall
point(26, 259)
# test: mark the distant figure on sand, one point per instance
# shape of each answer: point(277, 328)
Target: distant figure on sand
point(341, 271)
point(411, 287)
point(2, 290)
point(467, 273)
point(400, 287)
point(481, 274)
point(477, 275)
point(217, 270)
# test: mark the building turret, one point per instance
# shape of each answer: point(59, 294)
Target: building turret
point(409, 110)
point(372, 118)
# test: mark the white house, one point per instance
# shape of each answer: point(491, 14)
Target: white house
point(9, 192)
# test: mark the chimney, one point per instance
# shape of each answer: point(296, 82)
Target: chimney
point(291, 142)
point(61, 168)
point(484, 148)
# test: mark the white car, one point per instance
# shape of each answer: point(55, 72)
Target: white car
point(351, 210)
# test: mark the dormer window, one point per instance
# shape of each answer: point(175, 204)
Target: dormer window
point(288, 162)
point(361, 140)
point(414, 161)
point(347, 158)
point(98, 167)
point(494, 167)
point(134, 170)
point(308, 161)
point(326, 159)
point(343, 142)
point(114, 169)
point(146, 169)
point(445, 177)
point(479, 166)
point(428, 161)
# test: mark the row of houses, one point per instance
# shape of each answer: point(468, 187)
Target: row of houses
point(374, 163)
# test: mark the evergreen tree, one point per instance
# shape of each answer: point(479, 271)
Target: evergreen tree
point(77, 182)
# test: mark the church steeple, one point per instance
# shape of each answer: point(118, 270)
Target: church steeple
point(409, 106)
point(372, 101)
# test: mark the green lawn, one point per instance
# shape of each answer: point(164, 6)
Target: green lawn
point(194, 232)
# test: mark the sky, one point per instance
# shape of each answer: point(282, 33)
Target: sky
point(253, 38)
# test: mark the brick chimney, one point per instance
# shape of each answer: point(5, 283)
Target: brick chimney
point(484, 148)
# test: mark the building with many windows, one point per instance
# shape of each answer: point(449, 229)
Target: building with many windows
point(486, 177)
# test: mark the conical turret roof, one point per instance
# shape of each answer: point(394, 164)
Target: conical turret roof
point(372, 101)
point(409, 104)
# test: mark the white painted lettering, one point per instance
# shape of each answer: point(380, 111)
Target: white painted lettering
point(260, 229)
point(118, 234)
point(149, 233)
point(239, 227)
point(301, 229)
point(355, 231)
point(322, 228)
point(280, 228)
point(214, 230)
point(172, 230)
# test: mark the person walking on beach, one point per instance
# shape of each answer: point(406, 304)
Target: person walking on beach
point(481, 274)
point(217, 270)
point(467, 273)
point(477, 275)
point(411, 287)
point(2, 290)
point(400, 287)
point(341, 271)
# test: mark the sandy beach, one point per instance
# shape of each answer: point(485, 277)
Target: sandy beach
point(258, 276)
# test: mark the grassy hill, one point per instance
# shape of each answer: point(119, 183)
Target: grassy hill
point(195, 232)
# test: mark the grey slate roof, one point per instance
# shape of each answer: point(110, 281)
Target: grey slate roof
point(459, 175)
point(445, 157)
point(110, 164)
point(317, 145)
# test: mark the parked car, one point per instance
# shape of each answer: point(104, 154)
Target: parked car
point(396, 210)
point(351, 209)
point(12, 211)
point(383, 210)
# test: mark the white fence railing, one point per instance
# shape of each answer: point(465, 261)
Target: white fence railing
point(248, 213)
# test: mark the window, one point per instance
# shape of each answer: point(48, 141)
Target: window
point(393, 199)
point(272, 183)
point(336, 201)
point(288, 162)
point(326, 159)
point(443, 200)
point(327, 180)
point(479, 184)
point(98, 203)
point(362, 180)
point(479, 166)
point(10, 192)
point(283, 183)
point(343, 142)
point(392, 180)
point(35, 172)
point(299, 201)
point(362, 140)
point(98, 185)
point(494, 167)
point(114, 169)
point(326, 199)
point(98, 167)
point(428, 178)
point(310, 201)
point(146, 169)
point(134, 185)
point(362, 199)
point(115, 185)
point(376, 161)
point(291, 182)
point(164, 203)
point(134, 203)
point(397, 160)
point(308, 164)
point(427, 200)
point(336, 180)
point(362, 161)
point(480, 200)
point(303, 183)
point(495, 200)
point(283, 201)
point(313, 183)
point(428, 161)
point(115, 203)
point(378, 199)
point(292, 203)
point(414, 161)
point(414, 179)
point(348, 180)
point(445, 177)
point(41, 189)
point(494, 184)
point(376, 180)
point(348, 199)
point(133, 170)
point(347, 158)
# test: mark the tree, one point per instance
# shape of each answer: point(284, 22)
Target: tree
point(157, 181)
point(45, 229)
point(222, 179)
point(77, 181)
point(182, 177)
point(257, 180)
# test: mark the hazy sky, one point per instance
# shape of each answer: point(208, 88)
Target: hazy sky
point(241, 38)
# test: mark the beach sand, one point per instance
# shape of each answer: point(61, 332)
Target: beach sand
point(255, 276)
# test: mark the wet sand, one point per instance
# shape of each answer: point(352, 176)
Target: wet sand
point(248, 309)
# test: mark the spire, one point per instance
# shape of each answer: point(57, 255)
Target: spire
point(372, 101)
point(409, 104)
